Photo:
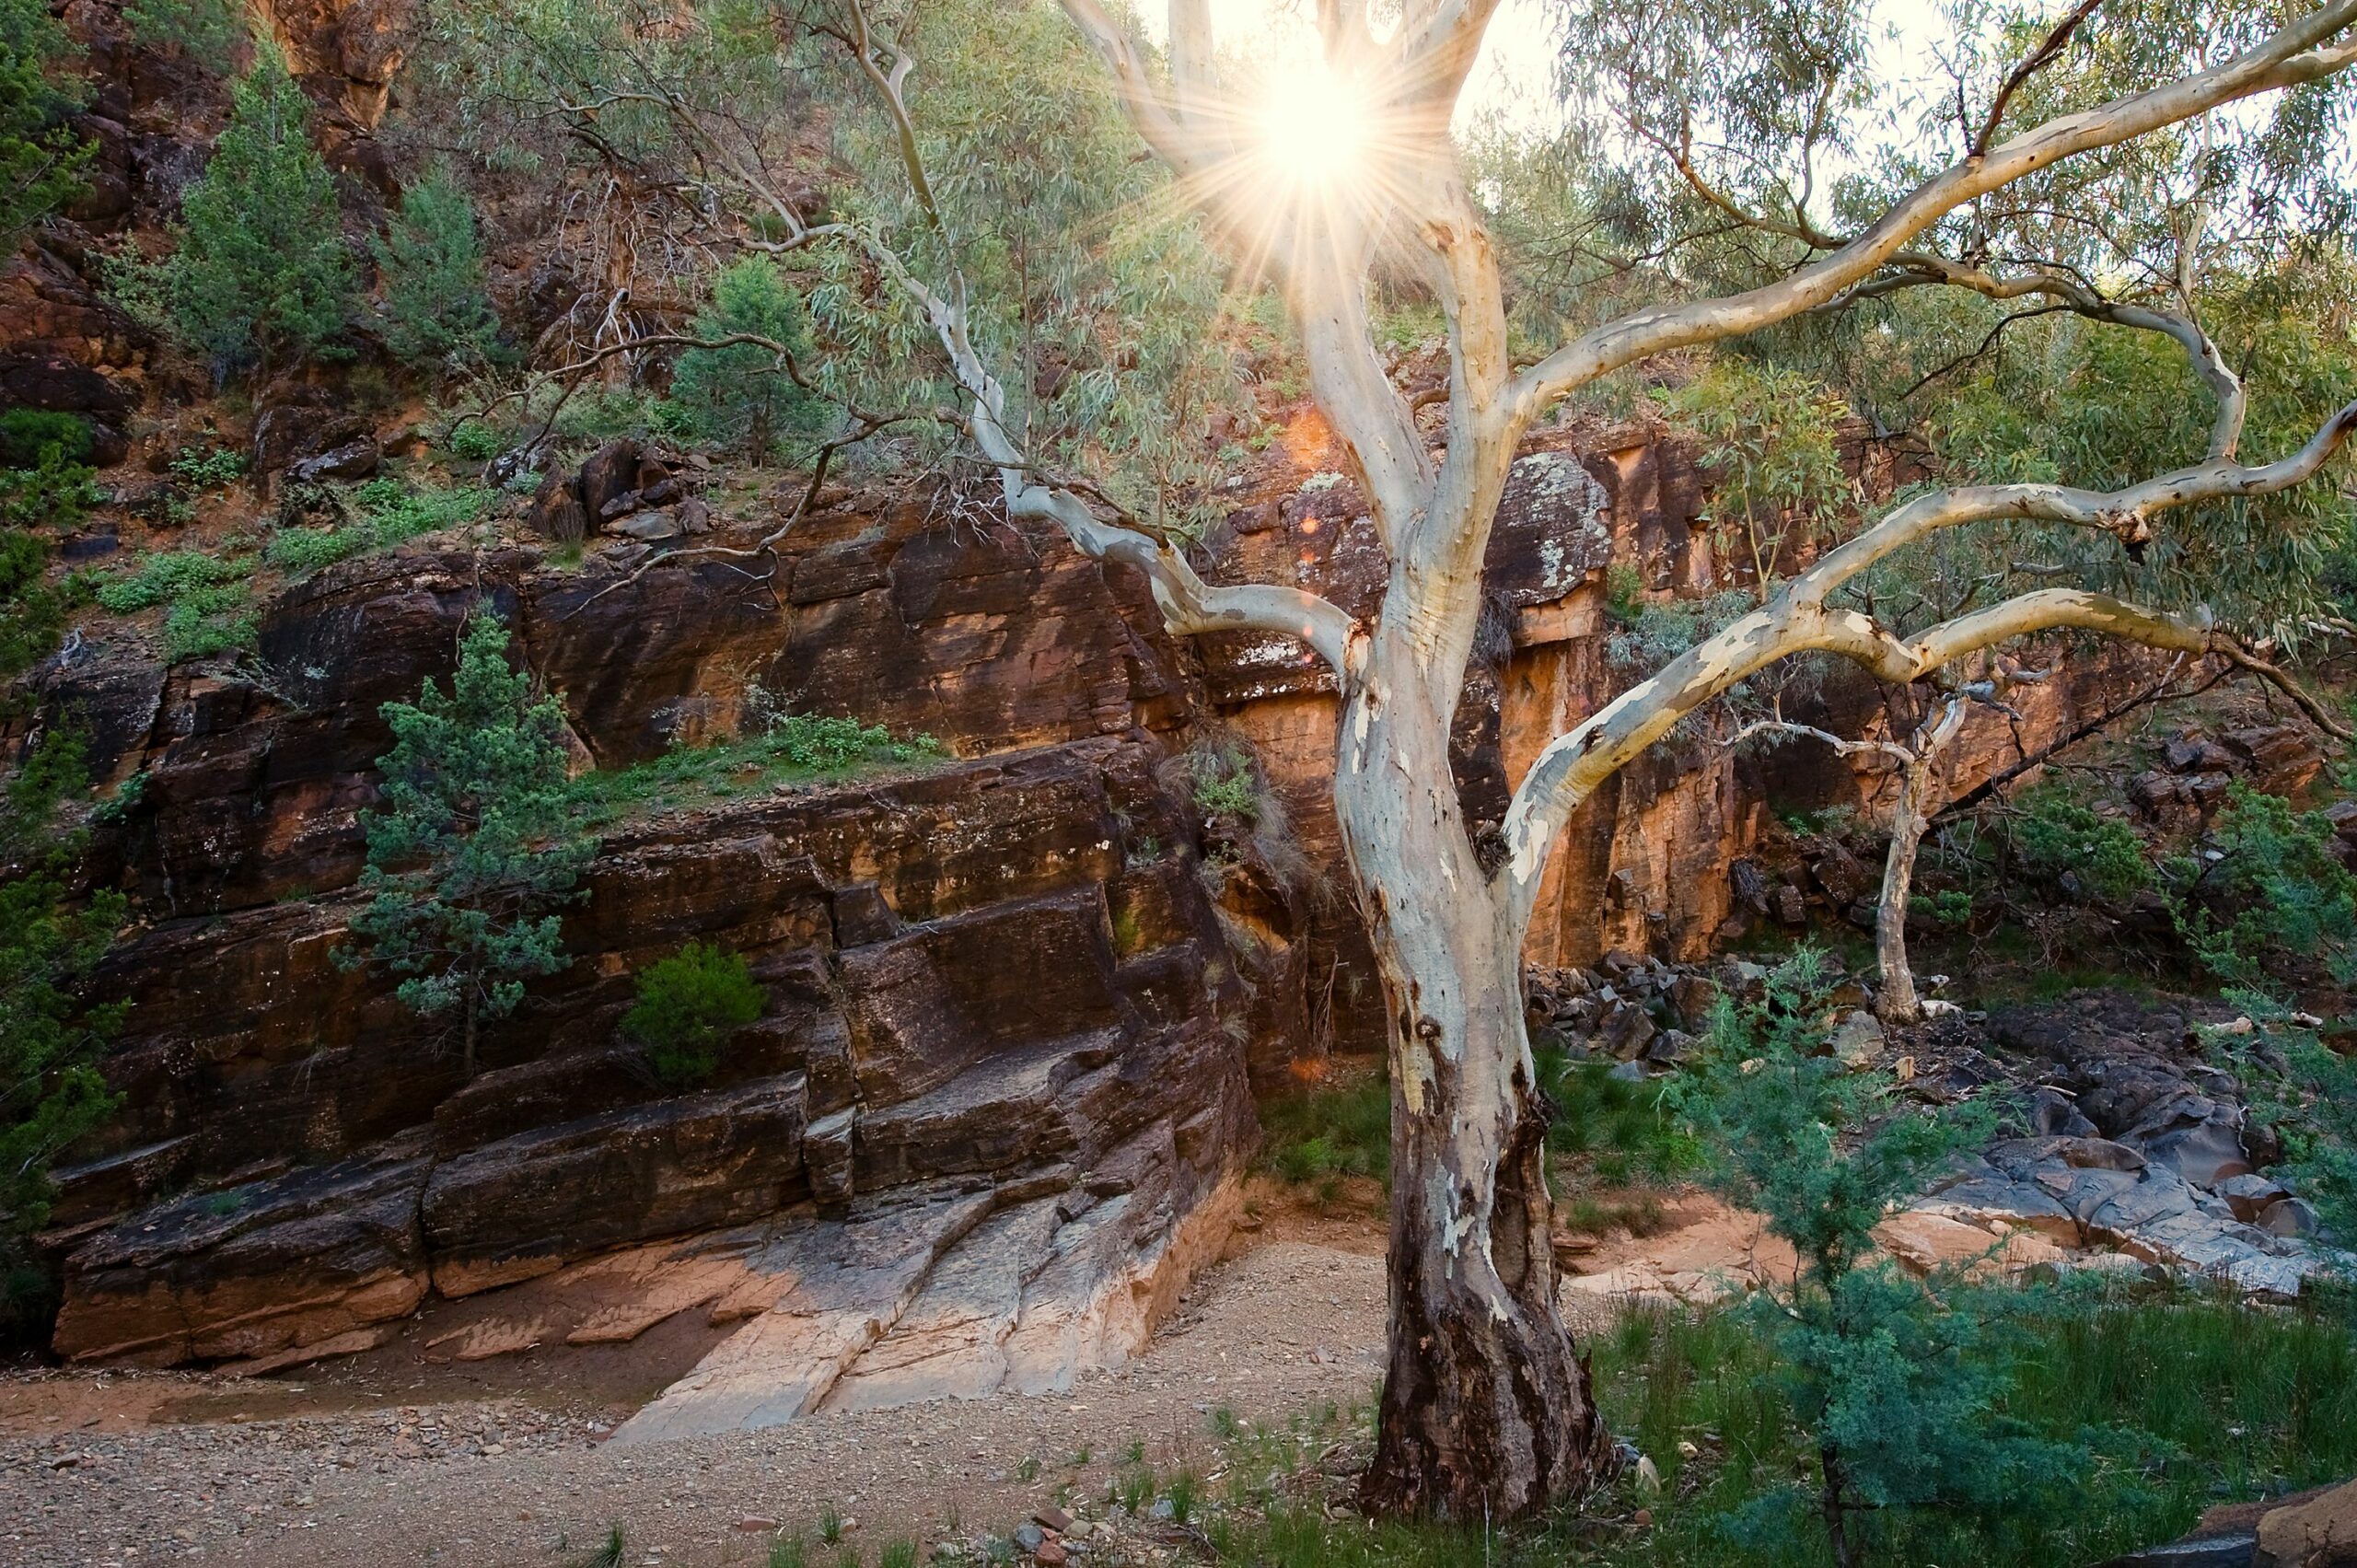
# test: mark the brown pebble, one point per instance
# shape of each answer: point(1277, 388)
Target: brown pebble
point(1643, 1518)
point(1052, 1518)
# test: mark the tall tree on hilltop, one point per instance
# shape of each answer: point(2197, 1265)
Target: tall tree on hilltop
point(1315, 176)
point(474, 847)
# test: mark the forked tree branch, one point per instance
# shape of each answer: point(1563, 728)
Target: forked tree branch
point(1797, 621)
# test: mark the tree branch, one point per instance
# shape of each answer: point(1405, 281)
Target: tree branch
point(2295, 53)
point(1796, 620)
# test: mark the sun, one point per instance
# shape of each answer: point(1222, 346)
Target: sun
point(1314, 131)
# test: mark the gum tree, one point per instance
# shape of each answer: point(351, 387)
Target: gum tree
point(1486, 1409)
point(1487, 1412)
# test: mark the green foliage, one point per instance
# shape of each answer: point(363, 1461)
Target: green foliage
point(474, 844)
point(789, 748)
point(50, 1091)
point(44, 482)
point(437, 304)
point(2054, 837)
point(1768, 438)
point(2268, 892)
point(1224, 782)
point(213, 33)
point(1894, 1380)
point(31, 612)
point(743, 395)
point(478, 441)
point(383, 512)
point(1624, 1132)
point(1329, 1131)
point(209, 468)
point(2205, 1401)
point(203, 596)
point(41, 158)
point(687, 1007)
point(260, 275)
point(1652, 632)
point(30, 437)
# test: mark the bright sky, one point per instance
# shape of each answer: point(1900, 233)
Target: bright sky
point(1514, 77)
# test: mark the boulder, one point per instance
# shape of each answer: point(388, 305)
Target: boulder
point(356, 459)
point(2319, 1531)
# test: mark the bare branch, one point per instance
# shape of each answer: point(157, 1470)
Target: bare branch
point(2037, 60)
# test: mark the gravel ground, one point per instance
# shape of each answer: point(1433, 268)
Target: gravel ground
point(1289, 1327)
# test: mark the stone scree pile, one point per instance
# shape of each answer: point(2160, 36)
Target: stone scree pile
point(2140, 1143)
point(2139, 1152)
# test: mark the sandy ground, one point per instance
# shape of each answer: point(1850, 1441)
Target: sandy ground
point(506, 1463)
point(390, 1460)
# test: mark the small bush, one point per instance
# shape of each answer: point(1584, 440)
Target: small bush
point(28, 437)
point(687, 1007)
point(31, 612)
point(2275, 897)
point(478, 441)
point(1344, 1129)
point(54, 491)
point(437, 307)
point(202, 595)
point(209, 468)
point(213, 33)
point(2056, 838)
point(386, 513)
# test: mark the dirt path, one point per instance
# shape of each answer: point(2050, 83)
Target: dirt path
point(1292, 1325)
point(388, 1461)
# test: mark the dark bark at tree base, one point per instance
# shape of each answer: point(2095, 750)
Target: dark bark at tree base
point(1488, 1412)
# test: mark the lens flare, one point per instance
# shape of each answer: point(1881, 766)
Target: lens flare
point(1313, 131)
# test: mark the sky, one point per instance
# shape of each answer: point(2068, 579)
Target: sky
point(1518, 57)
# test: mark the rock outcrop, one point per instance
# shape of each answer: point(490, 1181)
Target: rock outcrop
point(995, 1035)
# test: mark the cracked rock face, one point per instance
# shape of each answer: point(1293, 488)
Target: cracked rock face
point(979, 1139)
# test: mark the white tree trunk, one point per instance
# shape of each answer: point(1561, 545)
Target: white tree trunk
point(1487, 1412)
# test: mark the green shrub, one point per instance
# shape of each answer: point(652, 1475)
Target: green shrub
point(477, 441)
point(54, 491)
point(260, 275)
point(1898, 1383)
point(384, 513)
point(202, 595)
point(687, 1007)
point(742, 396)
point(1625, 1131)
point(438, 307)
point(50, 1090)
point(1224, 782)
point(41, 157)
point(31, 612)
point(2054, 837)
point(2274, 893)
point(209, 468)
point(1335, 1130)
point(30, 437)
point(213, 33)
